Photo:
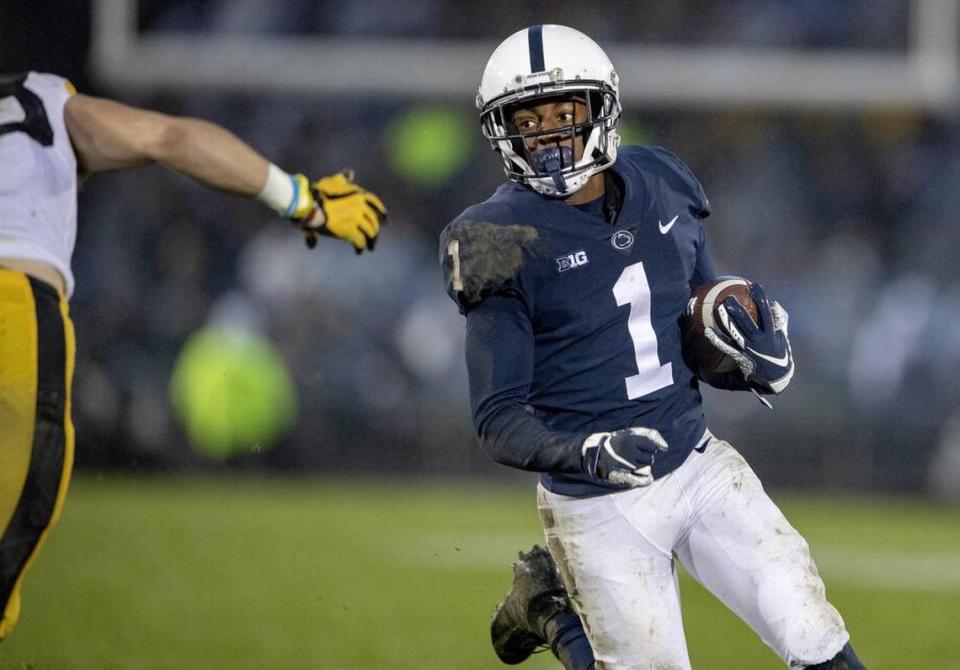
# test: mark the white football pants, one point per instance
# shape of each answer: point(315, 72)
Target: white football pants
point(615, 553)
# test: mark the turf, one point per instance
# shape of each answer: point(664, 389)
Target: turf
point(261, 573)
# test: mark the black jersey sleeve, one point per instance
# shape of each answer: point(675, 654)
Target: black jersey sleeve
point(500, 363)
point(482, 254)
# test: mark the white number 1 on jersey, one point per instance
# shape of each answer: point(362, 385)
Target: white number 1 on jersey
point(633, 289)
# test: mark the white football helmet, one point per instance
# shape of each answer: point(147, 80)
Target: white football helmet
point(546, 62)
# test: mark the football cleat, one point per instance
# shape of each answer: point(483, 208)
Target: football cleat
point(536, 595)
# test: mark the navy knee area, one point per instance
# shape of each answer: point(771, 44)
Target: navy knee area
point(845, 660)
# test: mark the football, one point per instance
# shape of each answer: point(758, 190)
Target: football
point(700, 314)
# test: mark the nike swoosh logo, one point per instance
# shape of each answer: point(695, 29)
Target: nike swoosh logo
point(781, 362)
point(664, 229)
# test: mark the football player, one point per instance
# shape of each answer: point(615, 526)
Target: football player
point(50, 138)
point(573, 277)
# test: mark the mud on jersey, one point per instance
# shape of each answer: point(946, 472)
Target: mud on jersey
point(586, 313)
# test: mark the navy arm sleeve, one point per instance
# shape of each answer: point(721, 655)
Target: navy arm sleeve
point(500, 365)
point(703, 272)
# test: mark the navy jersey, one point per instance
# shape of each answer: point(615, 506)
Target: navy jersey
point(573, 320)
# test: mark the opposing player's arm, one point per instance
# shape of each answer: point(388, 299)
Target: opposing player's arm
point(108, 135)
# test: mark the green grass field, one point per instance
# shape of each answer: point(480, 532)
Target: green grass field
point(250, 573)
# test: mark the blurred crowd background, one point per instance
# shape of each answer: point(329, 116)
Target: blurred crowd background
point(846, 217)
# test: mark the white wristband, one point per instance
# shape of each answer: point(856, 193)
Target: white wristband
point(281, 192)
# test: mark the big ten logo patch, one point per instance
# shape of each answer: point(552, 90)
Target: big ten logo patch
point(571, 261)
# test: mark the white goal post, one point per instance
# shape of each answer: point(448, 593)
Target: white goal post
point(923, 77)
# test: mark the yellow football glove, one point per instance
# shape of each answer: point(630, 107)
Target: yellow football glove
point(337, 207)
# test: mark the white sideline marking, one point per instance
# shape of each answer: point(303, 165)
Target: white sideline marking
point(894, 570)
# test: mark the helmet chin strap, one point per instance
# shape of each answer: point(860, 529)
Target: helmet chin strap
point(552, 161)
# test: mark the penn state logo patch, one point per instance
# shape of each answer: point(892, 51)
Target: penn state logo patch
point(622, 240)
point(572, 261)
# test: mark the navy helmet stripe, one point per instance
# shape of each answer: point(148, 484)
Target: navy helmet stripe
point(535, 42)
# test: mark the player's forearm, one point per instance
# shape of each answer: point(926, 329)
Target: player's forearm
point(211, 155)
point(513, 437)
point(217, 158)
point(108, 135)
point(499, 351)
